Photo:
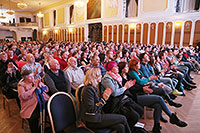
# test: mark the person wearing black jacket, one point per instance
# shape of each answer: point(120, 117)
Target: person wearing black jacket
point(92, 104)
point(10, 78)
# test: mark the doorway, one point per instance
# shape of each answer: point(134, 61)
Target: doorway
point(95, 32)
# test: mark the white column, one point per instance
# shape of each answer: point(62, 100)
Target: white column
point(72, 35)
point(86, 32)
point(103, 32)
point(156, 34)
point(117, 33)
point(75, 35)
point(148, 38)
point(141, 35)
point(122, 33)
point(112, 32)
point(135, 32)
point(107, 33)
point(82, 35)
point(173, 33)
point(182, 34)
point(128, 33)
point(164, 33)
point(192, 32)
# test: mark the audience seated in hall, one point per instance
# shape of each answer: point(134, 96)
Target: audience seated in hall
point(160, 72)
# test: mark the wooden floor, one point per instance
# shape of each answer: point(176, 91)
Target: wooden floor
point(189, 112)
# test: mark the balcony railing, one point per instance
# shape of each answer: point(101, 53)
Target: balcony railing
point(19, 24)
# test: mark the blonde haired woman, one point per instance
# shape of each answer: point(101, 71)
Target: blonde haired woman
point(92, 104)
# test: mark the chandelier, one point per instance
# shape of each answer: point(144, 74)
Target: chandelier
point(80, 3)
point(10, 12)
point(2, 15)
point(40, 15)
point(22, 5)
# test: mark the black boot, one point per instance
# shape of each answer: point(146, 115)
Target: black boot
point(191, 82)
point(163, 119)
point(174, 120)
point(172, 96)
point(172, 103)
point(157, 128)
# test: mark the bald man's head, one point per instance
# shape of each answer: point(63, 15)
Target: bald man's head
point(72, 62)
point(30, 58)
point(54, 65)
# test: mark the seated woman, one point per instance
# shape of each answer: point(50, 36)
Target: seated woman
point(28, 99)
point(92, 104)
point(161, 72)
point(141, 80)
point(153, 101)
point(10, 79)
point(120, 101)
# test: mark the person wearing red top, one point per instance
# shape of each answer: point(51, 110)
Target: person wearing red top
point(11, 55)
point(63, 60)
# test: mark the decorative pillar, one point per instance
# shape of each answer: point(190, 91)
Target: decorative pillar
point(156, 34)
point(148, 38)
point(117, 33)
point(192, 33)
point(164, 33)
point(135, 31)
point(141, 35)
point(128, 33)
point(173, 31)
point(122, 33)
point(182, 34)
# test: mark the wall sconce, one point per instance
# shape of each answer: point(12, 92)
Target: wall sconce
point(168, 26)
point(178, 24)
point(138, 26)
point(187, 25)
point(152, 26)
point(56, 31)
point(70, 30)
point(44, 32)
point(132, 26)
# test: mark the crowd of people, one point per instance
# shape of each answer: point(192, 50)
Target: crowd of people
point(119, 79)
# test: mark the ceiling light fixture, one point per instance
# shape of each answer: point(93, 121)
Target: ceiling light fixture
point(22, 5)
point(40, 15)
point(10, 11)
point(2, 15)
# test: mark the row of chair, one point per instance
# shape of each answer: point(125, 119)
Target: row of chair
point(63, 110)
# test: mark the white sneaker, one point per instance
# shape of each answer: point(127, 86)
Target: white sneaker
point(198, 72)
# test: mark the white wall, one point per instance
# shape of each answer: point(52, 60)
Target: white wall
point(23, 33)
point(18, 15)
point(3, 34)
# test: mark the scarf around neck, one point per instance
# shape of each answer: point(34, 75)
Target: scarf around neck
point(115, 76)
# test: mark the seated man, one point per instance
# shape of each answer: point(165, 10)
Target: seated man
point(56, 79)
point(74, 74)
point(95, 63)
point(33, 66)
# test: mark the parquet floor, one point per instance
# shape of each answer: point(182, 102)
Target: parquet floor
point(189, 112)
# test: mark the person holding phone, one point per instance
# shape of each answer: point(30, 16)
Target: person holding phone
point(10, 79)
point(92, 104)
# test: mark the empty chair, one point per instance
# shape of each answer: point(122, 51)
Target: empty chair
point(63, 114)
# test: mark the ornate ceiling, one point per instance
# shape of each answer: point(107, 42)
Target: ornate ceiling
point(33, 5)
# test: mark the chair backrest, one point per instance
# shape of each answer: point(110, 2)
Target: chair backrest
point(62, 111)
point(78, 95)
